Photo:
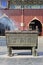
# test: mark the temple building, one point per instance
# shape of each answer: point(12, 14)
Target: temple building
point(21, 15)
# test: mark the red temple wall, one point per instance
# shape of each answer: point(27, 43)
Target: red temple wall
point(25, 18)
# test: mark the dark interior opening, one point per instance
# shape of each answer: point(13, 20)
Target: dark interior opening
point(2, 29)
point(35, 23)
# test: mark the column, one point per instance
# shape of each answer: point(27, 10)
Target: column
point(22, 19)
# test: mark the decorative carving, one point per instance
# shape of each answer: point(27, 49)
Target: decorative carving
point(26, 2)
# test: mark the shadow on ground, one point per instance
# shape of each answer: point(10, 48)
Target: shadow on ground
point(21, 53)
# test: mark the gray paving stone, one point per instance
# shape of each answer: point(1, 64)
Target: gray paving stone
point(21, 61)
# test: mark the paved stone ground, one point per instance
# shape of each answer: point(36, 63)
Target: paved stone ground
point(22, 57)
point(21, 61)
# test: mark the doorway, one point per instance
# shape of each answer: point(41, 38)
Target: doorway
point(2, 29)
point(35, 23)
